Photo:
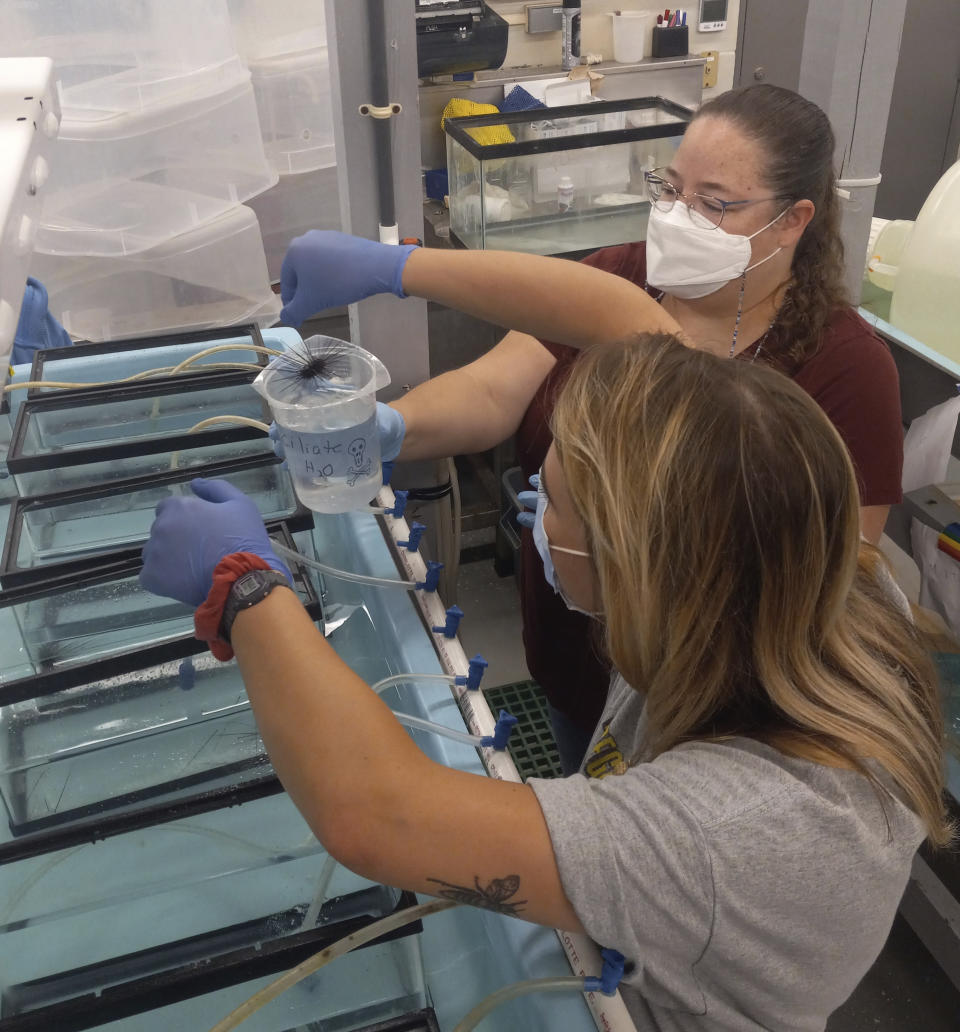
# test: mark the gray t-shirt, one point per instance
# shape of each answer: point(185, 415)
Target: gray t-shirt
point(750, 889)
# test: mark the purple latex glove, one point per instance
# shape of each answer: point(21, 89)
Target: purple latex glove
point(191, 535)
point(325, 269)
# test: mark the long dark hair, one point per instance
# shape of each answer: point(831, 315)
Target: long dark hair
point(768, 623)
point(798, 142)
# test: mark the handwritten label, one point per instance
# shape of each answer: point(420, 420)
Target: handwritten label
point(350, 454)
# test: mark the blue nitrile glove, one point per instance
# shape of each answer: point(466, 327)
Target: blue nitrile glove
point(390, 427)
point(191, 535)
point(37, 329)
point(528, 499)
point(324, 269)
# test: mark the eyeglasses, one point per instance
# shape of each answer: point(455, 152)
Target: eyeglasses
point(704, 210)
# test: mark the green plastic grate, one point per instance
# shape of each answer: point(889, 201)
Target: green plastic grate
point(531, 744)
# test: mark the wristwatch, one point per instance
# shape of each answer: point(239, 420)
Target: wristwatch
point(246, 591)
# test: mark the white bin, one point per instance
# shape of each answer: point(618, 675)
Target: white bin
point(125, 184)
point(277, 28)
point(293, 100)
point(213, 276)
point(294, 205)
point(112, 57)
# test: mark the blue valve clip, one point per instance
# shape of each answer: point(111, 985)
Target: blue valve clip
point(611, 974)
point(501, 733)
point(188, 674)
point(449, 629)
point(399, 504)
point(413, 542)
point(472, 680)
point(433, 576)
point(386, 470)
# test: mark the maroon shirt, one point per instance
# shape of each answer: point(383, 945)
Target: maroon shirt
point(852, 376)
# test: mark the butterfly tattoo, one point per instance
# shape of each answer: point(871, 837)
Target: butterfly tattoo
point(495, 896)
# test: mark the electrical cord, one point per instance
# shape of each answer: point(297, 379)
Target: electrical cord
point(320, 960)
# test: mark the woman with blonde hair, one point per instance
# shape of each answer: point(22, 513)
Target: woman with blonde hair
point(770, 756)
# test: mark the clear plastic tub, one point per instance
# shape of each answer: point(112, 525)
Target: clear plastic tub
point(294, 205)
point(125, 184)
point(112, 58)
point(293, 99)
point(277, 28)
point(214, 275)
point(926, 293)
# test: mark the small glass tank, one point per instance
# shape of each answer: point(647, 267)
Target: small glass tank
point(558, 180)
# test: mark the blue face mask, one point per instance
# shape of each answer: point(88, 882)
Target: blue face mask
point(543, 545)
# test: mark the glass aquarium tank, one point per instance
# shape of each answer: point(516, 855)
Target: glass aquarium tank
point(558, 180)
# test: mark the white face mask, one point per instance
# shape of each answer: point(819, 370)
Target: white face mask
point(691, 261)
point(542, 542)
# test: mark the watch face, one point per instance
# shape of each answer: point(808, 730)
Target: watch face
point(247, 586)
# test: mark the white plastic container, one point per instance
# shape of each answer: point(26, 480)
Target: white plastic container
point(883, 261)
point(324, 402)
point(215, 275)
point(293, 101)
point(632, 35)
point(125, 184)
point(277, 28)
point(294, 205)
point(113, 57)
point(926, 294)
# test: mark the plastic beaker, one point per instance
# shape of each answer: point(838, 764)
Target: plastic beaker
point(323, 400)
point(632, 35)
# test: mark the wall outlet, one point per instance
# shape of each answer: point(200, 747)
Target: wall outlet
point(544, 18)
point(710, 68)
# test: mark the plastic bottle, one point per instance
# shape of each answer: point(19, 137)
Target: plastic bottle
point(570, 37)
point(565, 193)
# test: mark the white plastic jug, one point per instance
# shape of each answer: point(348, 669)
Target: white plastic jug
point(883, 260)
point(926, 293)
point(323, 400)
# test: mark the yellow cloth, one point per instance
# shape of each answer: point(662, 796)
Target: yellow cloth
point(486, 136)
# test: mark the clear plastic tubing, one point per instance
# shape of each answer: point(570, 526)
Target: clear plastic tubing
point(382, 686)
point(332, 571)
point(438, 729)
point(319, 960)
point(511, 992)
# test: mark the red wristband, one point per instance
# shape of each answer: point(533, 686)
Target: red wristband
point(207, 618)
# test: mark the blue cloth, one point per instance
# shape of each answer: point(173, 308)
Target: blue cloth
point(518, 99)
point(37, 329)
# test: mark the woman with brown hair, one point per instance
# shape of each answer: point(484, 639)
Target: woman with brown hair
point(745, 257)
point(769, 758)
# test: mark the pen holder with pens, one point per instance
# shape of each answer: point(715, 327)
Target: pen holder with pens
point(669, 42)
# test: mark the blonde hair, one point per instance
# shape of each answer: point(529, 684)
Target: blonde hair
point(722, 515)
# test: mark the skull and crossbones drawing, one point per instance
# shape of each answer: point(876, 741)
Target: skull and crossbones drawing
point(357, 449)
